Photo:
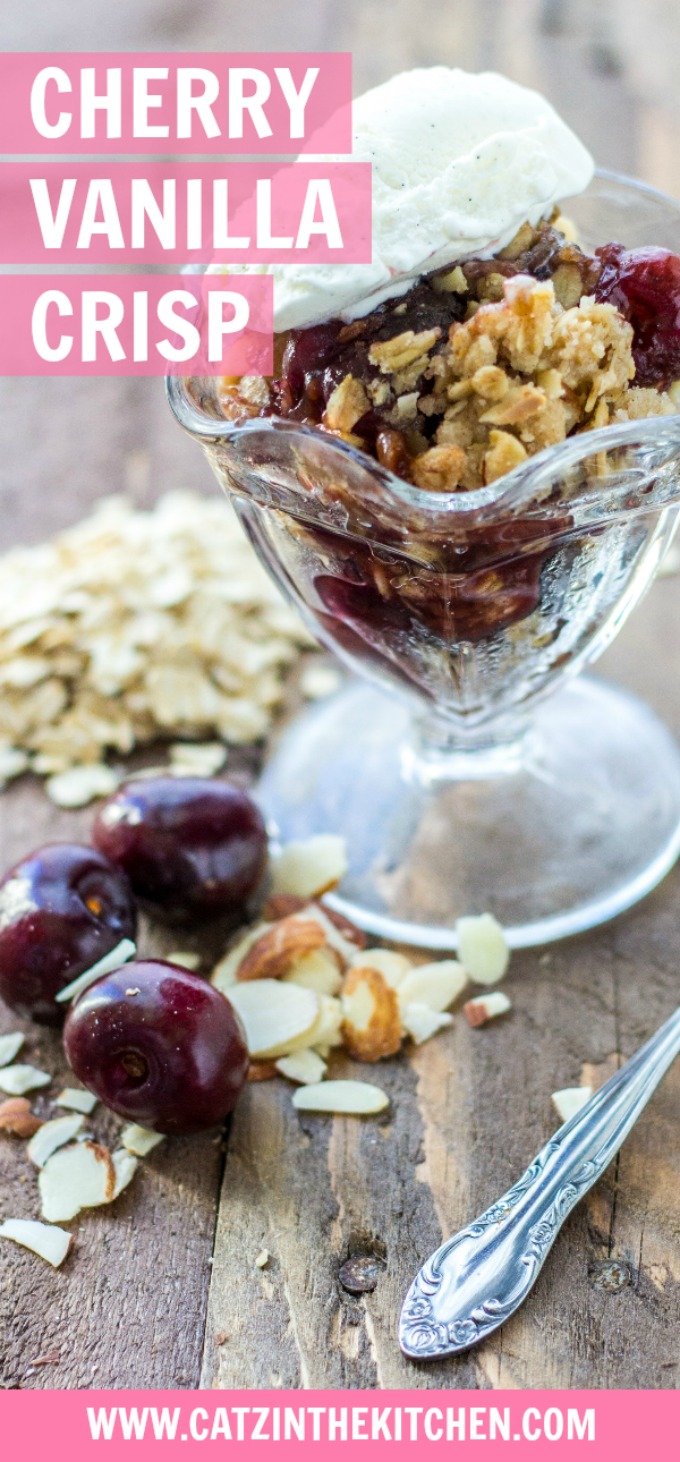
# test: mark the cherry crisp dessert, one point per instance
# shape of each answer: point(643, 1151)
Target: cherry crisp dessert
point(482, 365)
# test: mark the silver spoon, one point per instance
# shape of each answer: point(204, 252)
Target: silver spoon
point(477, 1279)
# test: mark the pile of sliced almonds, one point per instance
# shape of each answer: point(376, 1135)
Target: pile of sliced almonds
point(74, 1171)
point(303, 983)
point(135, 625)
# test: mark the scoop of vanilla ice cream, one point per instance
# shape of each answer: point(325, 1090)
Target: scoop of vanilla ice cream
point(460, 162)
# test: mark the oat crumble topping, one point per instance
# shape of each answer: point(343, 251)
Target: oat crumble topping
point(476, 369)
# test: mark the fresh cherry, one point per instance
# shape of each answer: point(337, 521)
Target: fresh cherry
point(191, 848)
point(61, 910)
point(644, 285)
point(159, 1046)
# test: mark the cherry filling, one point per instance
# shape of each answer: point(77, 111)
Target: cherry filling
point(493, 580)
point(317, 359)
point(644, 285)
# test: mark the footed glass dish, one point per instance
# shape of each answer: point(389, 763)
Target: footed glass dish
point(468, 768)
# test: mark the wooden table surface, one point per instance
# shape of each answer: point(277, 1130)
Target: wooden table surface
point(162, 1290)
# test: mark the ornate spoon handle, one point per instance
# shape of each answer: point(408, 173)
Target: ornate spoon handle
point(470, 1285)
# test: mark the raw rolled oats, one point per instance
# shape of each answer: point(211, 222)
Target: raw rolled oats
point(136, 625)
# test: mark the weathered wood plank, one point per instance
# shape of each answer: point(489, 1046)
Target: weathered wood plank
point(469, 1111)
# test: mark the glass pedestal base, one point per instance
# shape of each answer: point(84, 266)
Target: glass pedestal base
point(575, 825)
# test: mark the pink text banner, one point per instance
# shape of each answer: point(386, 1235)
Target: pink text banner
point(606, 1426)
point(157, 212)
point(175, 102)
point(136, 324)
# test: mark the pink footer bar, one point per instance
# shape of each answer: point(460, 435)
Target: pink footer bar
point(71, 1426)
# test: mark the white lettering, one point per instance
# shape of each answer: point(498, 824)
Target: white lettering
point(258, 1434)
point(532, 1434)
point(553, 1424)
point(293, 1424)
point(199, 102)
point(144, 101)
point(319, 191)
point(100, 194)
point(433, 1433)
point(110, 101)
point(191, 339)
point(38, 113)
point(499, 1424)
point(220, 1426)
point(161, 216)
point(104, 326)
point(455, 1425)
point(140, 325)
point(337, 1424)
point(379, 1427)
point(359, 1433)
point(52, 224)
point(45, 350)
point(413, 1412)
point(253, 104)
point(297, 100)
point(263, 202)
point(477, 1415)
point(580, 1427)
point(221, 239)
point(199, 1433)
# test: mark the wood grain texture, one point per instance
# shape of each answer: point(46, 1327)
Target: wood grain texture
point(128, 1306)
point(135, 1305)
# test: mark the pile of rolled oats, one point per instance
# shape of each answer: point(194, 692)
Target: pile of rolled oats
point(132, 626)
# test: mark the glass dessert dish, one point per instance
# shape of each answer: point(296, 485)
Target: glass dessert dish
point(468, 768)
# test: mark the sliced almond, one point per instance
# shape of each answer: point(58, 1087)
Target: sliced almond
point(351, 1098)
point(436, 985)
point(50, 1243)
point(327, 1028)
point(125, 1165)
point(17, 1118)
point(483, 948)
point(52, 1135)
point(392, 966)
point(335, 934)
point(371, 1024)
point(486, 1007)
point(123, 952)
point(261, 1071)
point(317, 971)
point(275, 952)
point(10, 1046)
point(570, 1100)
point(80, 1176)
point(304, 1067)
point(421, 1022)
point(310, 867)
point(344, 926)
point(274, 1014)
point(76, 1100)
point(224, 973)
point(187, 958)
point(16, 1080)
point(139, 1140)
point(280, 905)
